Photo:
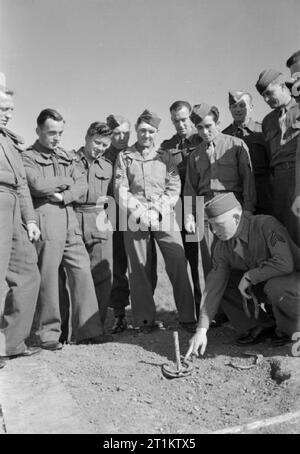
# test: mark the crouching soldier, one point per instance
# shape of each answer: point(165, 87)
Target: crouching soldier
point(261, 248)
point(55, 184)
point(96, 234)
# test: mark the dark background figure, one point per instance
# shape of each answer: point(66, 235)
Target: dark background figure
point(281, 128)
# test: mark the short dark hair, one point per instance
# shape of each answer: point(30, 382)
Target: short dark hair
point(48, 113)
point(100, 128)
point(177, 105)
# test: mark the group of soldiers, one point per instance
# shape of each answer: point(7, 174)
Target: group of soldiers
point(67, 248)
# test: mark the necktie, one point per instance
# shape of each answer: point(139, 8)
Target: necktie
point(211, 153)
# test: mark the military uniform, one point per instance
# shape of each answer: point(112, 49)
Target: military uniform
point(98, 242)
point(254, 138)
point(282, 133)
point(262, 248)
point(60, 243)
point(143, 181)
point(223, 167)
point(180, 149)
point(18, 264)
point(120, 287)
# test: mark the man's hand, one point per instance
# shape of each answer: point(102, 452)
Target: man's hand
point(296, 206)
point(57, 197)
point(33, 231)
point(190, 225)
point(244, 285)
point(198, 340)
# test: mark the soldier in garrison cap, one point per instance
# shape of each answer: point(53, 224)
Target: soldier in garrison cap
point(55, 184)
point(181, 145)
point(19, 274)
point(241, 106)
point(220, 164)
point(269, 261)
point(293, 63)
point(281, 128)
point(147, 187)
point(121, 130)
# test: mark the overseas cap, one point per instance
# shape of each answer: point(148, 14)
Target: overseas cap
point(235, 95)
point(114, 121)
point(149, 117)
point(220, 204)
point(293, 59)
point(2, 82)
point(200, 111)
point(270, 76)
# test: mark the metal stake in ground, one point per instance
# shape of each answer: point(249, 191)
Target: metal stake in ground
point(183, 368)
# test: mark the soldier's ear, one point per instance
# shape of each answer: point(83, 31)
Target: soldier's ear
point(37, 130)
point(237, 218)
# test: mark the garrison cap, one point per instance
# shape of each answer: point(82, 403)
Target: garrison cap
point(220, 204)
point(293, 59)
point(200, 111)
point(235, 96)
point(149, 117)
point(2, 82)
point(114, 121)
point(269, 76)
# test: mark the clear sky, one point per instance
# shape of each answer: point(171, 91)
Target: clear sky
point(90, 58)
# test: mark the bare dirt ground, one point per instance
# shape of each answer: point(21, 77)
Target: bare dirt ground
point(120, 389)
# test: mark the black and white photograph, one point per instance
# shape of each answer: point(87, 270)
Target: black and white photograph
point(149, 219)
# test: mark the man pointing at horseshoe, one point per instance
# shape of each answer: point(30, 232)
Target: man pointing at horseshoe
point(269, 261)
